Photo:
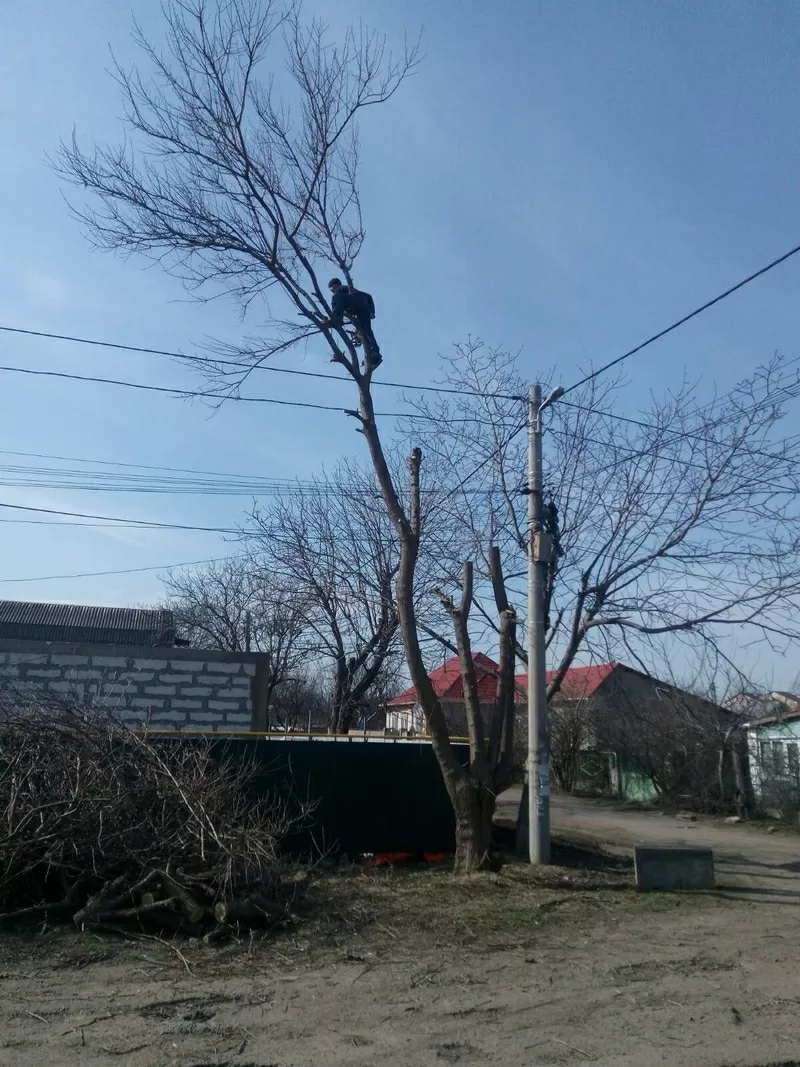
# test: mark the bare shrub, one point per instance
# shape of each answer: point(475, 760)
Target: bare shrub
point(107, 825)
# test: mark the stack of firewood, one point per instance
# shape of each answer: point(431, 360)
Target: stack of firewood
point(114, 829)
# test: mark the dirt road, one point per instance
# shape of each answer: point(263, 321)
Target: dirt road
point(625, 982)
point(750, 863)
point(567, 966)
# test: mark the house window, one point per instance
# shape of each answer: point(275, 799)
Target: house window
point(778, 758)
point(793, 758)
point(764, 754)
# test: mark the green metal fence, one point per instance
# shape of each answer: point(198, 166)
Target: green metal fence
point(371, 796)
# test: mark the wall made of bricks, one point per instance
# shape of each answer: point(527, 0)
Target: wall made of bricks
point(169, 688)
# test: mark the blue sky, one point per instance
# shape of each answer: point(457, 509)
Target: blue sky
point(562, 178)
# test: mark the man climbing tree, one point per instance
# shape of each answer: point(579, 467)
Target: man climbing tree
point(234, 187)
point(359, 308)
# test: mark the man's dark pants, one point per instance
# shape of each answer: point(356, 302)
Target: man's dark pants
point(364, 327)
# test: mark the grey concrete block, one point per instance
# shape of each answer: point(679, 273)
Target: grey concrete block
point(147, 702)
point(136, 677)
point(235, 693)
point(65, 687)
point(176, 679)
point(673, 867)
point(170, 717)
point(223, 705)
point(28, 657)
point(203, 718)
point(160, 690)
point(8, 672)
point(118, 688)
point(43, 672)
point(190, 705)
point(107, 662)
point(150, 664)
point(59, 660)
point(186, 664)
point(249, 669)
point(223, 668)
point(239, 719)
point(86, 675)
point(196, 691)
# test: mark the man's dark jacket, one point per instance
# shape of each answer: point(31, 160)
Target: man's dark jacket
point(353, 303)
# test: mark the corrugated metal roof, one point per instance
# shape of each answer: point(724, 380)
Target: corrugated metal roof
point(30, 621)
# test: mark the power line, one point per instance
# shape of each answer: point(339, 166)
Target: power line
point(223, 397)
point(483, 462)
point(136, 466)
point(184, 393)
point(650, 450)
point(144, 524)
point(686, 318)
point(210, 361)
point(689, 435)
point(126, 570)
point(91, 525)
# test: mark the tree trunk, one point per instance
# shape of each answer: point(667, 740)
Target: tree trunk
point(474, 806)
point(721, 775)
point(745, 798)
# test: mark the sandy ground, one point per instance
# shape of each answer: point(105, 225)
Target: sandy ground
point(424, 969)
point(755, 864)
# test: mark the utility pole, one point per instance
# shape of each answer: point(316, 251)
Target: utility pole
point(539, 556)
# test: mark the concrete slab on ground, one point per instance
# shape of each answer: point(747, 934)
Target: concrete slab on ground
point(749, 864)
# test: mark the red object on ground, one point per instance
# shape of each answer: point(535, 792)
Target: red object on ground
point(393, 859)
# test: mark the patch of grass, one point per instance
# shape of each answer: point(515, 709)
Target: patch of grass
point(386, 908)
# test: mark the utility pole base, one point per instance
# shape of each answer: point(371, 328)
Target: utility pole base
point(521, 846)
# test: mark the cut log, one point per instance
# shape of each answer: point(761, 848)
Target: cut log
point(63, 907)
point(250, 909)
point(218, 935)
point(192, 908)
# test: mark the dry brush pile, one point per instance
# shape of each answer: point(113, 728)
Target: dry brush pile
point(115, 829)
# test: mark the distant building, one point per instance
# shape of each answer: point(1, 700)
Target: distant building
point(613, 729)
point(22, 620)
point(773, 737)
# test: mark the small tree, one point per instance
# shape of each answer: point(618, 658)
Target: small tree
point(570, 734)
point(336, 547)
point(234, 606)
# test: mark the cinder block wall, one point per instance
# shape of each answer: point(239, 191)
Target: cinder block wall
point(169, 688)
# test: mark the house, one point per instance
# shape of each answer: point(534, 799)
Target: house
point(404, 713)
point(613, 729)
point(81, 624)
point(774, 750)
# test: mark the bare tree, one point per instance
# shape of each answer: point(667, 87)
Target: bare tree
point(674, 529)
point(336, 547)
point(235, 606)
point(570, 735)
point(229, 186)
point(301, 703)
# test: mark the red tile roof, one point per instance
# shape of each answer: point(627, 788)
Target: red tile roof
point(446, 681)
point(579, 682)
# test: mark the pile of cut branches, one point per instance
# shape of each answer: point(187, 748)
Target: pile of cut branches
point(117, 829)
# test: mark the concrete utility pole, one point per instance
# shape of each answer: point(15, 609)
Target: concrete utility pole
point(539, 556)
